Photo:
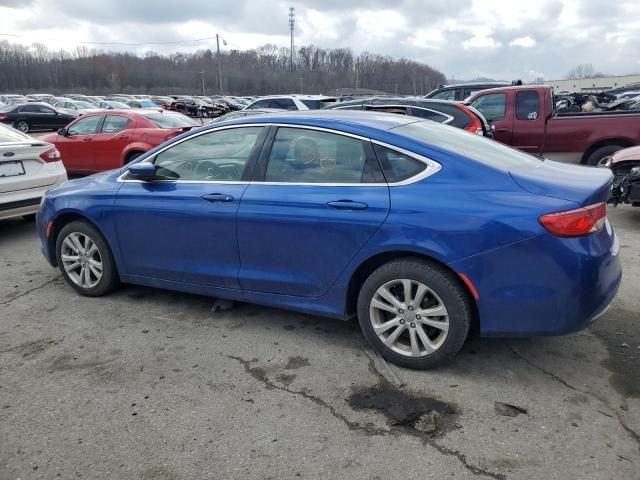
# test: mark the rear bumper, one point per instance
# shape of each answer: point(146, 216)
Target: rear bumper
point(545, 285)
point(26, 202)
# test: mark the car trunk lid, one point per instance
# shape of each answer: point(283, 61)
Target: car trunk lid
point(21, 167)
point(583, 185)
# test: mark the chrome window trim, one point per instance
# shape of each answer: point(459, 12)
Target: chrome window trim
point(432, 167)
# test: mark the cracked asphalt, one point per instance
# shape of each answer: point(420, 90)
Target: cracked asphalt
point(154, 385)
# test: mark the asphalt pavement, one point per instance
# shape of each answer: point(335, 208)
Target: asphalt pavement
point(156, 385)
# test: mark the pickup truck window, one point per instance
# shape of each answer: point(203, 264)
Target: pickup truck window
point(472, 146)
point(527, 105)
point(492, 105)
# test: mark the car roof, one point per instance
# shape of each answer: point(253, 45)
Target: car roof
point(474, 84)
point(301, 97)
point(347, 120)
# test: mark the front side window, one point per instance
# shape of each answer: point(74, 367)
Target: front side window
point(46, 110)
point(310, 156)
point(214, 156)
point(115, 123)
point(397, 166)
point(444, 95)
point(492, 105)
point(86, 126)
point(527, 105)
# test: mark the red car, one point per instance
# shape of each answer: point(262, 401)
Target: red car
point(526, 118)
point(104, 140)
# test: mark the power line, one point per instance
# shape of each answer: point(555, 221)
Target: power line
point(177, 42)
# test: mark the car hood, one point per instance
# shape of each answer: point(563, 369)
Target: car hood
point(580, 184)
point(632, 153)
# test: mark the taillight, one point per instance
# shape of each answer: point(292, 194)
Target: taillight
point(3, 117)
point(576, 223)
point(476, 125)
point(52, 155)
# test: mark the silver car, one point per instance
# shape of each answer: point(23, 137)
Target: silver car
point(28, 168)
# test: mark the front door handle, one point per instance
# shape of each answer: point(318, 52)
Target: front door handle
point(123, 137)
point(348, 205)
point(217, 197)
point(87, 139)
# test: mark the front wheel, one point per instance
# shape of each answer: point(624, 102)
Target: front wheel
point(414, 313)
point(85, 259)
point(22, 126)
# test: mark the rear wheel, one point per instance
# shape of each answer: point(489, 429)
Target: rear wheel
point(85, 259)
point(600, 153)
point(132, 156)
point(414, 313)
point(23, 126)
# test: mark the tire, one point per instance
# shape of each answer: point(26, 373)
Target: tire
point(71, 242)
point(443, 289)
point(22, 126)
point(599, 153)
point(131, 157)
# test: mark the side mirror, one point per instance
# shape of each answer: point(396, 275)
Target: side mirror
point(63, 132)
point(143, 171)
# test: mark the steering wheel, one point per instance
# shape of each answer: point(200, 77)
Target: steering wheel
point(207, 169)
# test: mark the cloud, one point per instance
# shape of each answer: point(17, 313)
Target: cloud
point(526, 42)
point(464, 38)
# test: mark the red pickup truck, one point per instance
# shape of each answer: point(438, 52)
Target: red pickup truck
point(525, 117)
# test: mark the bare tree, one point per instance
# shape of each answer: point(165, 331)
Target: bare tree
point(584, 70)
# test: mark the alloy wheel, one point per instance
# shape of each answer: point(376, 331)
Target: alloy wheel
point(409, 317)
point(22, 126)
point(81, 260)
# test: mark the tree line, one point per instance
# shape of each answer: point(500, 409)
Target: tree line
point(261, 71)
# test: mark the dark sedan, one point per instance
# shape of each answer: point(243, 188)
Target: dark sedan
point(449, 113)
point(34, 116)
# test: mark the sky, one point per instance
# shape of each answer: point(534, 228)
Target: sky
point(465, 39)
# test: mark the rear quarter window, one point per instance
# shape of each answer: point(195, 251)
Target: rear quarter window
point(469, 145)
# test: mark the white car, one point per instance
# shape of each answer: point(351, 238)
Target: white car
point(28, 168)
point(76, 107)
point(291, 102)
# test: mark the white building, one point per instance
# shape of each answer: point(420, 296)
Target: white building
point(589, 84)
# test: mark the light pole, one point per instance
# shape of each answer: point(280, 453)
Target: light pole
point(202, 75)
point(220, 62)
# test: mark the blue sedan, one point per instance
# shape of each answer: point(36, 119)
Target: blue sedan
point(419, 230)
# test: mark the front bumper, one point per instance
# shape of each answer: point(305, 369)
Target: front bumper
point(545, 285)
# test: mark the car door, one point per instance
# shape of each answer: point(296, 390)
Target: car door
point(31, 114)
point(76, 147)
point(528, 124)
point(181, 227)
point(317, 198)
point(109, 143)
point(49, 118)
point(494, 108)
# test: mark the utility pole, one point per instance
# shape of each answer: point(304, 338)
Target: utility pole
point(396, 88)
point(219, 66)
point(301, 79)
point(292, 27)
point(202, 75)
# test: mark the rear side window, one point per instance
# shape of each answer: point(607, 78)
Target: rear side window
point(283, 103)
point(397, 166)
point(527, 105)
point(467, 144)
point(29, 109)
point(430, 115)
point(492, 105)
point(115, 123)
point(309, 156)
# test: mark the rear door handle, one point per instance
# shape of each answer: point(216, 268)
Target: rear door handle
point(348, 205)
point(123, 137)
point(217, 197)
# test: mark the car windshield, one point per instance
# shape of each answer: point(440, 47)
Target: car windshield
point(468, 144)
point(162, 120)
point(81, 104)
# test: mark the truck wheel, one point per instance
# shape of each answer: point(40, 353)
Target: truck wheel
point(599, 153)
